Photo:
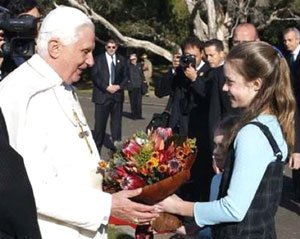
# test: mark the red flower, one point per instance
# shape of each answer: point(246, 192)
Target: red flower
point(171, 148)
point(119, 172)
point(131, 182)
point(131, 148)
point(163, 157)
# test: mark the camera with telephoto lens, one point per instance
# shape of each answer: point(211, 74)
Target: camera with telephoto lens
point(19, 34)
point(187, 60)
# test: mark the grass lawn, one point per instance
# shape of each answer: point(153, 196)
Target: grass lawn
point(113, 233)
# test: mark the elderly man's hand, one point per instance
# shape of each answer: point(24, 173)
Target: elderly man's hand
point(123, 208)
point(294, 162)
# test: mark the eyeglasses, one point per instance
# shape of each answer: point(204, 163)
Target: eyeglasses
point(111, 47)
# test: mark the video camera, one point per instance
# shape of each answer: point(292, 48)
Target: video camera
point(187, 60)
point(19, 34)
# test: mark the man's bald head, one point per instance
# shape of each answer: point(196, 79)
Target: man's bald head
point(245, 32)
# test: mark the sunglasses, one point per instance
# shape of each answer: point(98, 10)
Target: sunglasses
point(111, 47)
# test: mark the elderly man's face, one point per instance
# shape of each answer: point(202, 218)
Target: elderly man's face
point(78, 56)
point(244, 34)
point(291, 41)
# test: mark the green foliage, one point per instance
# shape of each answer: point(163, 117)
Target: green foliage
point(163, 21)
point(153, 20)
point(45, 6)
point(114, 233)
point(295, 5)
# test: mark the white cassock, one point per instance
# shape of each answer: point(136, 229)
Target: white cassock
point(43, 117)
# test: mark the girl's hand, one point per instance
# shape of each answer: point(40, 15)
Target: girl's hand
point(170, 204)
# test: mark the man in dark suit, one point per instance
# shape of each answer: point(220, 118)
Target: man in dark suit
point(18, 216)
point(291, 39)
point(110, 76)
point(190, 96)
point(135, 83)
point(220, 103)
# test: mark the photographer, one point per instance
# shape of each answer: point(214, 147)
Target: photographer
point(183, 82)
point(193, 110)
point(18, 9)
point(189, 90)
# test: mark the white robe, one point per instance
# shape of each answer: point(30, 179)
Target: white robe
point(39, 111)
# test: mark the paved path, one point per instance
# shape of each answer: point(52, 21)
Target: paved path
point(288, 215)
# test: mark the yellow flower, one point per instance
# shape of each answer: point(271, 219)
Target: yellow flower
point(152, 163)
point(192, 143)
point(155, 155)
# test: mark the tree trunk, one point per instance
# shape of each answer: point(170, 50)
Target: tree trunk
point(212, 19)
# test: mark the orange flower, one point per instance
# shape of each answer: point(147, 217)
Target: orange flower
point(182, 161)
point(186, 148)
point(179, 153)
point(102, 164)
point(162, 168)
point(144, 171)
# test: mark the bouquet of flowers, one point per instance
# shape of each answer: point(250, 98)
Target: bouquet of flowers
point(157, 161)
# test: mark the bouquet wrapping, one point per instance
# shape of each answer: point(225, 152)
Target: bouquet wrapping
point(157, 161)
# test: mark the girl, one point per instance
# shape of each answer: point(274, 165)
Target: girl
point(257, 79)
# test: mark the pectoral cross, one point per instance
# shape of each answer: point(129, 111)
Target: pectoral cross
point(83, 134)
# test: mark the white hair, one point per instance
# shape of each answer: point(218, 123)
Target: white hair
point(62, 23)
point(292, 29)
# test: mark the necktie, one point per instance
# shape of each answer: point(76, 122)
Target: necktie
point(292, 60)
point(112, 71)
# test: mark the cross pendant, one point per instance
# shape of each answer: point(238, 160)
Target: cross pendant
point(83, 134)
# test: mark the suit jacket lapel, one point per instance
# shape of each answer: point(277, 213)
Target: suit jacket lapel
point(202, 71)
point(118, 66)
point(103, 66)
point(297, 61)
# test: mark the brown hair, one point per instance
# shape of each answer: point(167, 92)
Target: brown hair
point(255, 60)
point(112, 41)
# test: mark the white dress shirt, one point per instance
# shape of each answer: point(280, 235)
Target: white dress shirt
point(109, 59)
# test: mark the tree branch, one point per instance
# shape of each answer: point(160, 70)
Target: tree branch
point(125, 41)
point(275, 17)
